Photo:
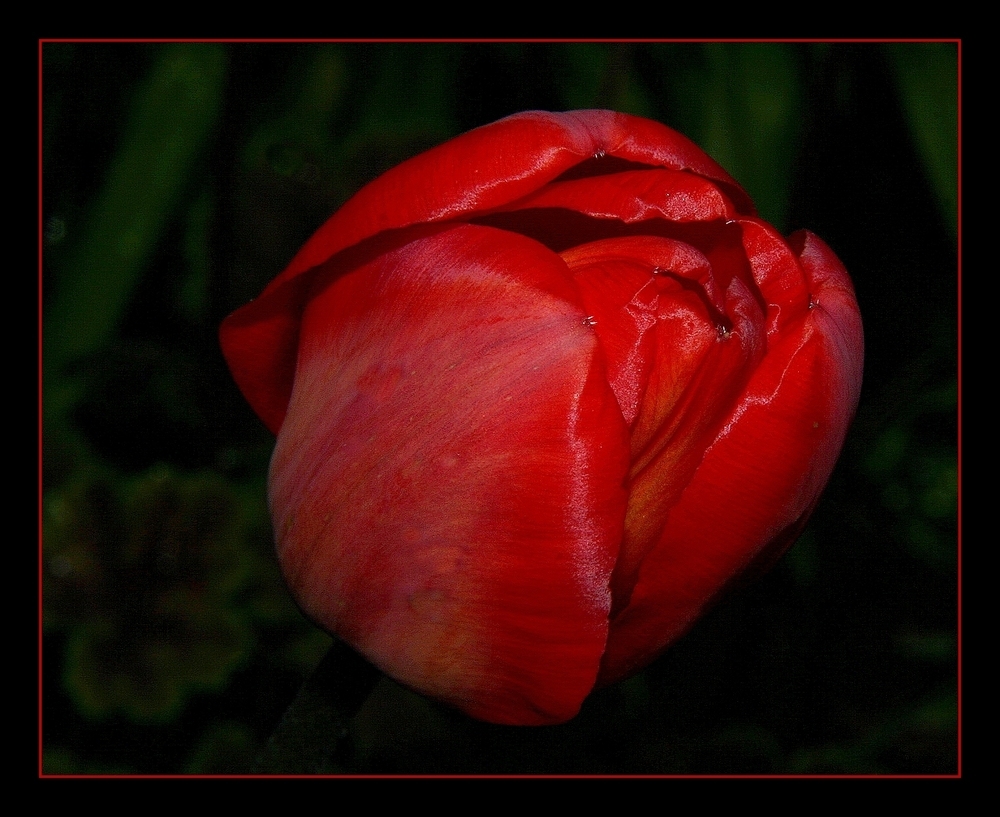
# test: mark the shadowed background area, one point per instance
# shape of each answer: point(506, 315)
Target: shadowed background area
point(179, 178)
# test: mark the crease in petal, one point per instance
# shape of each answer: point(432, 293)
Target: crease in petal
point(636, 195)
point(777, 273)
point(771, 460)
point(674, 369)
point(651, 143)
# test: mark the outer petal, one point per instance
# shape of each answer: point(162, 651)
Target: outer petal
point(480, 170)
point(447, 488)
point(770, 461)
point(636, 195)
point(499, 163)
point(669, 203)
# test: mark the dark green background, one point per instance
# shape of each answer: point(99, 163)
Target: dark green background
point(179, 178)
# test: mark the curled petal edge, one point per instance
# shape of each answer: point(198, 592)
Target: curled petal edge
point(482, 169)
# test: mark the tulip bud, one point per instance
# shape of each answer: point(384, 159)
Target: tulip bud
point(540, 394)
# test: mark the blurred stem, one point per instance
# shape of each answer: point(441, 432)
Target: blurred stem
point(172, 118)
point(304, 125)
point(927, 78)
point(759, 95)
point(740, 103)
point(313, 736)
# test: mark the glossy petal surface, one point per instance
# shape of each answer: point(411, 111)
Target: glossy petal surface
point(677, 363)
point(450, 503)
point(542, 394)
point(483, 169)
point(763, 472)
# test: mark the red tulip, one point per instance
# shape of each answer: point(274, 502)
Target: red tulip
point(540, 394)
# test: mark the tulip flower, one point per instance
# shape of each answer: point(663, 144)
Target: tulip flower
point(540, 395)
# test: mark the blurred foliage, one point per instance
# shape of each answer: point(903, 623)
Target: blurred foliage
point(179, 178)
point(927, 78)
point(173, 112)
point(144, 584)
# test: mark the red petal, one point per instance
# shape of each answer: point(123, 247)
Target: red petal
point(679, 354)
point(260, 340)
point(834, 311)
point(447, 488)
point(770, 461)
point(637, 195)
point(475, 172)
point(499, 163)
point(259, 343)
point(777, 272)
